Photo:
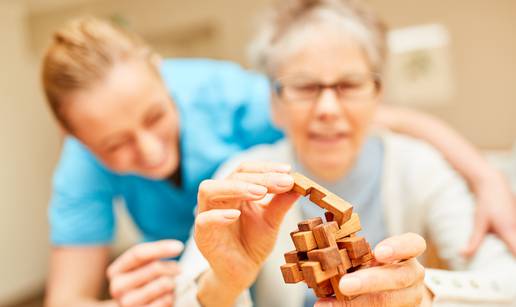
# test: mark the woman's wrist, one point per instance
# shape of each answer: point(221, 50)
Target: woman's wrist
point(214, 291)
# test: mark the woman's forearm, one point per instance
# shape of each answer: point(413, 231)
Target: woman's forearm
point(463, 156)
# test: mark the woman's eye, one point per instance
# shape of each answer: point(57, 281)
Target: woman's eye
point(307, 88)
point(155, 118)
point(115, 147)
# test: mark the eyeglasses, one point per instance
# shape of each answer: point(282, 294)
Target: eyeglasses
point(352, 88)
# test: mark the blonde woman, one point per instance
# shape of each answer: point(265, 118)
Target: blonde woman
point(325, 60)
point(146, 131)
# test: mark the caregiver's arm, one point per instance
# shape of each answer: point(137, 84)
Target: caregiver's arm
point(497, 209)
point(77, 276)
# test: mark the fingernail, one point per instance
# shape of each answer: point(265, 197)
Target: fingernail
point(350, 284)
point(257, 189)
point(231, 214)
point(282, 180)
point(283, 168)
point(383, 252)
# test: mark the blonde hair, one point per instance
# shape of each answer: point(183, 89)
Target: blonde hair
point(277, 35)
point(82, 53)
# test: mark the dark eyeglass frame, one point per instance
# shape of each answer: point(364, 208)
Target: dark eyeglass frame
point(278, 87)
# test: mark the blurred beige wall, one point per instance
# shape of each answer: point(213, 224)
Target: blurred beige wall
point(482, 44)
point(28, 150)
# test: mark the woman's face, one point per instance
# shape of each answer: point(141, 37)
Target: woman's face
point(128, 121)
point(327, 125)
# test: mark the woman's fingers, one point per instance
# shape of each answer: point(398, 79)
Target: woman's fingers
point(382, 278)
point(263, 167)
point(243, 187)
point(479, 231)
point(278, 207)
point(411, 296)
point(209, 221)
point(149, 292)
point(275, 182)
point(225, 193)
point(401, 247)
point(144, 253)
point(125, 282)
point(165, 301)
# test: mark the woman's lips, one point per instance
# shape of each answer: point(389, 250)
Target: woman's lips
point(327, 138)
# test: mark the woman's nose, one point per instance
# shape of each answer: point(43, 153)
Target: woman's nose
point(150, 148)
point(328, 105)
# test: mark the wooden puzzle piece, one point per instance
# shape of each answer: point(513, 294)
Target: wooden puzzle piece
point(302, 185)
point(330, 216)
point(340, 208)
point(291, 273)
point(295, 256)
point(350, 227)
point(345, 261)
point(304, 241)
point(355, 246)
point(325, 234)
point(309, 224)
point(325, 251)
point(365, 259)
point(313, 273)
point(328, 257)
point(324, 289)
point(335, 285)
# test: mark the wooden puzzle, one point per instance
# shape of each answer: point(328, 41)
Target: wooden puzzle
point(325, 251)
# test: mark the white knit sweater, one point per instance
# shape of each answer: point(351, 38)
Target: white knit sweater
point(420, 193)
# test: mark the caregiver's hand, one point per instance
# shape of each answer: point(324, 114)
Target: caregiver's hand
point(139, 277)
point(496, 211)
point(234, 232)
point(396, 281)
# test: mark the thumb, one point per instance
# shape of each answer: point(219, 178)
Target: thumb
point(479, 231)
point(208, 222)
point(278, 207)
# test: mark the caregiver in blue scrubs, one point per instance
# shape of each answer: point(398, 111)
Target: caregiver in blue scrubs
point(145, 131)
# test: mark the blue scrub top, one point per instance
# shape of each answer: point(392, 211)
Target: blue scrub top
point(223, 110)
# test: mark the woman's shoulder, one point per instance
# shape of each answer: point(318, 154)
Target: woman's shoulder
point(79, 169)
point(276, 152)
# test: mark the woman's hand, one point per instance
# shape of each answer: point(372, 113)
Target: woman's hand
point(139, 277)
point(496, 212)
point(396, 281)
point(234, 231)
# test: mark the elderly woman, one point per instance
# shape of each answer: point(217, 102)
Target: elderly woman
point(325, 59)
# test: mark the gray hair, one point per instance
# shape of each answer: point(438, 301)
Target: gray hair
point(283, 26)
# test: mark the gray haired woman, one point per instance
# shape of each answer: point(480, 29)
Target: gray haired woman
point(325, 60)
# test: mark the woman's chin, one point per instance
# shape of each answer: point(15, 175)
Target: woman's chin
point(161, 171)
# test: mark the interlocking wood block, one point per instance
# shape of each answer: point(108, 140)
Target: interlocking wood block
point(330, 216)
point(309, 224)
point(302, 185)
point(313, 273)
point(355, 246)
point(335, 285)
point(325, 234)
point(291, 273)
point(346, 262)
point(328, 257)
point(304, 241)
point(362, 260)
point(340, 208)
point(295, 256)
point(350, 227)
point(324, 289)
